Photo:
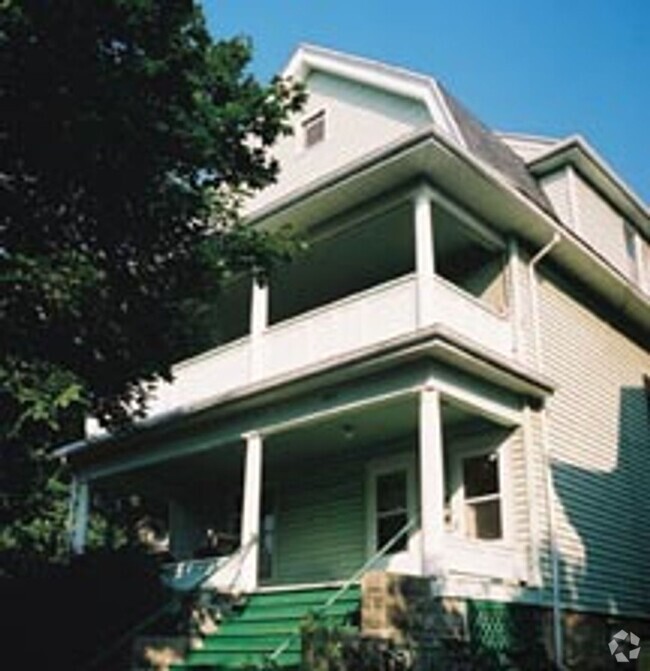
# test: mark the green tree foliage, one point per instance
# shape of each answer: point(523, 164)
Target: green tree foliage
point(128, 138)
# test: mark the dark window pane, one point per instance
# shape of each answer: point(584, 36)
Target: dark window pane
point(387, 527)
point(315, 130)
point(391, 492)
point(481, 475)
point(483, 520)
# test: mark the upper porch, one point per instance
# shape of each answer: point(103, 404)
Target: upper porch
point(374, 278)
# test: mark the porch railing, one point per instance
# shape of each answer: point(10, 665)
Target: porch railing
point(352, 580)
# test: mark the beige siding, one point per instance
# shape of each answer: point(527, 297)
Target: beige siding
point(599, 433)
point(556, 187)
point(601, 226)
point(358, 119)
point(519, 489)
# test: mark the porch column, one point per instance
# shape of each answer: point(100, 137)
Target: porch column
point(432, 479)
point(250, 520)
point(259, 318)
point(79, 513)
point(424, 255)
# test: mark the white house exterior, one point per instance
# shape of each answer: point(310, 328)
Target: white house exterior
point(462, 351)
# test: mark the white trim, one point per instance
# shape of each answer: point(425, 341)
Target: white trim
point(529, 447)
point(482, 405)
point(515, 299)
point(259, 319)
point(572, 194)
point(432, 478)
point(476, 446)
point(251, 508)
point(424, 256)
point(372, 73)
point(485, 234)
point(405, 561)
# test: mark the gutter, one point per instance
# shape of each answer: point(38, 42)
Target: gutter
point(558, 639)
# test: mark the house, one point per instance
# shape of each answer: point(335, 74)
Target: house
point(448, 389)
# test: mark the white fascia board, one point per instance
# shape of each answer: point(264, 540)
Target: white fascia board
point(378, 75)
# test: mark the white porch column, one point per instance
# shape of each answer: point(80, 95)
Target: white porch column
point(432, 479)
point(424, 255)
point(252, 503)
point(259, 319)
point(79, 513)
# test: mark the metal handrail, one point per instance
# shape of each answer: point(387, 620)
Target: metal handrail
point(354, 578)
point(158, 613)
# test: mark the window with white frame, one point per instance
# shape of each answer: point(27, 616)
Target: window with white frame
point(392, 509)
point(313, 129)
point(482, 506)
point(391, 501)
point(477, 490)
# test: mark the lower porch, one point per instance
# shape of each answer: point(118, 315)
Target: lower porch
point(421, 482)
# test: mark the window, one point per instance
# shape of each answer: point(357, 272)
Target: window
point(482, 497)
point(391, 505)
point(392, 509)
point(476, 490)
point(314, 129)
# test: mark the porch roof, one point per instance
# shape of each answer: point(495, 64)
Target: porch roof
point(437, 343)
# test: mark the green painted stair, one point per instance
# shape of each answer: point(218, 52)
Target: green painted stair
point(266, 621)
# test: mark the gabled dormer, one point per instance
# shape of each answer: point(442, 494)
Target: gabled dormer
point(590, 200)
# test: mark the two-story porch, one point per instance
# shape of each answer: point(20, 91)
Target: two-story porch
point(373, 277)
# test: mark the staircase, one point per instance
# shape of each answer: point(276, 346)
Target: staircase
point(267, 621)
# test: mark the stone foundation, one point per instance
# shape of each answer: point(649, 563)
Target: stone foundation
point(477, 634)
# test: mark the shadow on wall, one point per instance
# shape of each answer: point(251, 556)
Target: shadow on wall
point(607, 513)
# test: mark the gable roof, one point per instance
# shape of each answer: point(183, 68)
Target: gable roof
point(448, 115)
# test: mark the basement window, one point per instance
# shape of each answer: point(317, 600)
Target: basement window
point(313, 129)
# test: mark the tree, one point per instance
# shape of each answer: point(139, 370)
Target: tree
point(128, 138)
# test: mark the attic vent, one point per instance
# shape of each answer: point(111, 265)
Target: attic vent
point(314, 129)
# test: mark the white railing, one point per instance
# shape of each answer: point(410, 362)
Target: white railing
point(209, 374)
point(225, 574)
point(470, 317)
point(361, 320)
point(364, 319)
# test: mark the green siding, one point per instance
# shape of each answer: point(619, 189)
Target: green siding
point(322, 518)
point(599, 430)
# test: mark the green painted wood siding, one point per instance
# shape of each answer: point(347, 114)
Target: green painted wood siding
point(599, 431)
point(321, 509)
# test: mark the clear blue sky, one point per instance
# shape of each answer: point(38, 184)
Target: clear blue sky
point(548, 67)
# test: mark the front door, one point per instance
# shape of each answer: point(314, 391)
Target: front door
point(391, 505)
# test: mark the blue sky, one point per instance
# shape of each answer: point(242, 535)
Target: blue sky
point(546, 67)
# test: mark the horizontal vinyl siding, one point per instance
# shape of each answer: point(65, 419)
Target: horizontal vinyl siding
point(556, 187)
point(601, 225)
point(358, 120)
point(519, 487)
point(599, 433)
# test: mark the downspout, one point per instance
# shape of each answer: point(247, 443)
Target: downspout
point(558, 642)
